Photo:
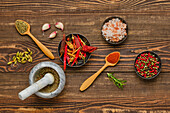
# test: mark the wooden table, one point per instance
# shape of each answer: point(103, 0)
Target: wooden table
point(149, 26)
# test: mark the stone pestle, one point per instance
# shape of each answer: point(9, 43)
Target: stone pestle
point(46, 80)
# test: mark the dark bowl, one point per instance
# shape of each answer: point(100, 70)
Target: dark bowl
point(121, 41)
point(159, 69)
point(80, 62)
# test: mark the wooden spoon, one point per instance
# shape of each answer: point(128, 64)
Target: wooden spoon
point(46, 51)
point(111, 60)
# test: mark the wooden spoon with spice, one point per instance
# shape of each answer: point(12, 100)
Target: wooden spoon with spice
point(111, 60)
point(24, 28)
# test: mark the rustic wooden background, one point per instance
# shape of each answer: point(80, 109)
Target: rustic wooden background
point(149, 26)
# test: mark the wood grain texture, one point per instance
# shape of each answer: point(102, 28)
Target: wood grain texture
point(84, 5)
point(129, 50)
point(146, 95)
point(149, 26)
point(143, 25)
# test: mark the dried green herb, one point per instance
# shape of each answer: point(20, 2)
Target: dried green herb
point(22, 57)
point(18, 58)
point(22, 54)
point(40, 74)
point(119, 83)
point(30, 59)
point(28, 50)
point(26, 55)
point(13, 57)
point(23, 61)
point(15, 62)
point(21, 26)
point(10, 62)
point(17, 54)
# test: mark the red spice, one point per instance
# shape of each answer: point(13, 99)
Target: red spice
point(89, 49)
point(147, 65)
point(113, 58)
point(65, 56)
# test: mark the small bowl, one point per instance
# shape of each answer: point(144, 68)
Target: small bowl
point(60, 72)
point(159, 69)
point(80, 62)
point(121, 41)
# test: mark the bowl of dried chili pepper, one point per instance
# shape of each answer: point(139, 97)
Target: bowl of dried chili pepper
point(74, 50)
point(114, 30)
point(147, 65)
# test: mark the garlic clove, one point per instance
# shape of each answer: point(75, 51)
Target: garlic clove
point(59, 25)
point(45, 27)
point(53, 34)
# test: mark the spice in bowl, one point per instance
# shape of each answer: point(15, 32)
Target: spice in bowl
point(147, 65)
point(74, 50)
point(114, 30)
point(40, 74)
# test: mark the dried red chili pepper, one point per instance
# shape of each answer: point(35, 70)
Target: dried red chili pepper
point(88, 49)
point(76, 57)
point(76, 49)
point(62, 45)
point(68, 39)
point(84, 54)
point(77, 42)
point(80, 41)
point(65, 56)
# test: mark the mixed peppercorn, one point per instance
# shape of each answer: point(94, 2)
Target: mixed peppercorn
point(147, 65)
point(73, 50)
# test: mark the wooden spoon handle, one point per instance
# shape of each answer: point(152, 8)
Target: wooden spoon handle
point(42, 47)
point(91, 79)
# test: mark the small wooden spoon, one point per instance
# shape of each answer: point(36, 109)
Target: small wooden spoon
point(46, 51)
point(111, 60)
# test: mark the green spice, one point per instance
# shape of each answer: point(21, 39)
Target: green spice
point(13, 57)
point(40, 74)
point(21, 26)
point(17, 54)
point(9, 62)
point(119, 83)
point(22, 57)
point(28, 50)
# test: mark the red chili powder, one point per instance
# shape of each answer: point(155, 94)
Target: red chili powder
point(113, 58)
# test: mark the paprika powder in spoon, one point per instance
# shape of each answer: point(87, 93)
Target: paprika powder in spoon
point(111, 60)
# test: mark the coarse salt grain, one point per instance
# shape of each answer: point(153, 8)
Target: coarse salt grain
point(114, 30)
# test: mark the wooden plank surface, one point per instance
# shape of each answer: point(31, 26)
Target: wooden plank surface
point(149, 26)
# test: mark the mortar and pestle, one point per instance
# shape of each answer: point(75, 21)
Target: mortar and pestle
point(46, 80)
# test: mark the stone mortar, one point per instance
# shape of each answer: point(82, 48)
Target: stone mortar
point(60, 72)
